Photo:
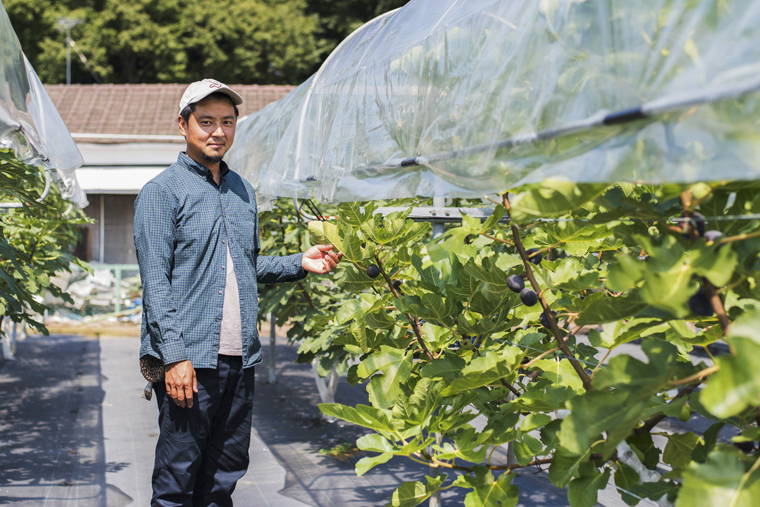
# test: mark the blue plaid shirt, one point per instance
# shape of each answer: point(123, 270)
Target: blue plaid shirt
point(183, 223)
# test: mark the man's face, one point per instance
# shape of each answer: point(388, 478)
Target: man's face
point(210, 129)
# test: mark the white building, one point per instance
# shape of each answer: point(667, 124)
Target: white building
point(127, 134)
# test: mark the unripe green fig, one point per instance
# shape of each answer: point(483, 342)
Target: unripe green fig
point(373, 271)
point(515, 283)
point(712, 235)
point(528, 297)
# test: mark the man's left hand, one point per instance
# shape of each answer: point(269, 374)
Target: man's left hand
point(320, 259)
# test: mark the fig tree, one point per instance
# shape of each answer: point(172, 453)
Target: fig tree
point(528, 297)
point(534, 256)
point(515, 283)
point(373, 271)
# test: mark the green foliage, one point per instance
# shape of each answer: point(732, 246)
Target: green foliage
point(453, 342)
point(169, 41)
point(340, 452)
point(727, 478)
point(36, 242)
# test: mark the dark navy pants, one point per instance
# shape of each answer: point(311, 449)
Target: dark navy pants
point(203, 451)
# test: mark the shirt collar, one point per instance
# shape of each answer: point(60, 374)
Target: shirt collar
point(201, 169)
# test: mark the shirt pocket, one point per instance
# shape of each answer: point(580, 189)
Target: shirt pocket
point(244, 228)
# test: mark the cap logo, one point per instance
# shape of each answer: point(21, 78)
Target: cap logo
point(215, 85)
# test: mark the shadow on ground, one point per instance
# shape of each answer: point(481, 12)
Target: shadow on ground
point(288, 421)
point(51, 428)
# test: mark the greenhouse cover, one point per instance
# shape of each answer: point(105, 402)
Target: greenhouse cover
point(458, 98)
point(29, 122)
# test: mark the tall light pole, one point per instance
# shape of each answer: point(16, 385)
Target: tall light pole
point(67, 24)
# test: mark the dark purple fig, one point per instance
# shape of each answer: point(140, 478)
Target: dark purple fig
point(528, 297)
point(699, 304)
point(515, 283)
point(696, 222)
point(642, 258)
point(373, 271)
point(545, 321)
point(534, 256)
point(397, 284)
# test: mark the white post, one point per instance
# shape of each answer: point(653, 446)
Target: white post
point(325, 386)
point(438, 202)
point(13, 338)
point(102, 229)
point(272, 348)
point(435, 499)
point(6, 350)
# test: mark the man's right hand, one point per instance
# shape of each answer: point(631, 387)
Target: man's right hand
point(180, 383)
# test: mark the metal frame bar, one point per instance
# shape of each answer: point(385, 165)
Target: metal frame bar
point(432, 214)
point(646, 111)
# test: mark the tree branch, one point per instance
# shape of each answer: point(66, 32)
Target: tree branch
point(739, 237)
point(717, 304)
point(547, 312)
point(306, 295)
point(435, 463)
point(697, 376)
point(412, 321)
point(655, 419)
point(510, 387)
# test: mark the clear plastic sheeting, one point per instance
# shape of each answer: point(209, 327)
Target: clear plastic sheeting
point(29, 122)
point(457, 98)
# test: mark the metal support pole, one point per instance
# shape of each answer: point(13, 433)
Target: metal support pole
point(5, 343)
point(68, 56)
point(435, 499)
point(13, 338)
point(67, 24)
point(102, 230)
point(438, 202)
point(117, 292)
point(272, 347)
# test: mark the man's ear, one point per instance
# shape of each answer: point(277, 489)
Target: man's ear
point(182, 126)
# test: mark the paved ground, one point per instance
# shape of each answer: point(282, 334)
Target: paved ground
point(75, 432)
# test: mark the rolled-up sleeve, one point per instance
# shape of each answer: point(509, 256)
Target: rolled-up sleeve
point(155, 236)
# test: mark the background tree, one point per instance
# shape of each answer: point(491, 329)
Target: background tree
point(338, 18)
point(36, 242)
point(168, 41)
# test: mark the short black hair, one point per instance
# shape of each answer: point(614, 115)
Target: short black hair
point(190, 108)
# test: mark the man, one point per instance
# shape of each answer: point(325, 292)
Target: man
point(197, 241)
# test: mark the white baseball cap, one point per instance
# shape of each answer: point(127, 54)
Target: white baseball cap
point(201, 89)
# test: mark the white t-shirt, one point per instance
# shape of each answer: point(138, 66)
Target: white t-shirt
point(231, 333)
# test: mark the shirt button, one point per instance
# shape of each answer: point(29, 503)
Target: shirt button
point(217, 319)
point(224, 241)
point(220, 292)
point(223, 267)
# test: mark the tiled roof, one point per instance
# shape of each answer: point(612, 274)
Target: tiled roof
point(143, 109)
